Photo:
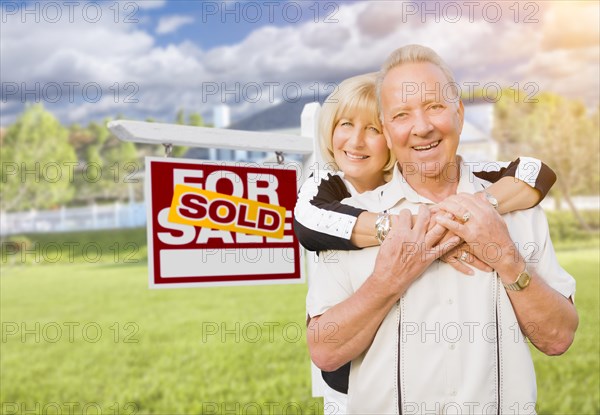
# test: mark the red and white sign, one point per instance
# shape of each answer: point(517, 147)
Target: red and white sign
point(216, 223)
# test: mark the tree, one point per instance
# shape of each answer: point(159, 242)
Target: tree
point(37, 162)
point(180, 117)
point(196, 120)
point(558, 131)
point(106, 165)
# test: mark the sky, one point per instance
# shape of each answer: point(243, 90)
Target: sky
point(147, 59)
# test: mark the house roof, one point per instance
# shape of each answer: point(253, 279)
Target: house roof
point(284, 115)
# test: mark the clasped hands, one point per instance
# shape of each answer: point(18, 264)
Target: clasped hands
point(463, 230)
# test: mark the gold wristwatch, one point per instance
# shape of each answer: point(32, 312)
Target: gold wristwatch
point(520, 283)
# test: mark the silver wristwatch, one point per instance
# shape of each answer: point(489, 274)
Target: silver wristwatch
point(382, 226)
point(490, 198)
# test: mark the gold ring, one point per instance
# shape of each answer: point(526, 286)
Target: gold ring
point(463, 256)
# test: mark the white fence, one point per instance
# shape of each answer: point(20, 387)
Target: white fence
point(117, 215)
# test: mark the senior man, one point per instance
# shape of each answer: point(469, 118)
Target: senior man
point(422, 337)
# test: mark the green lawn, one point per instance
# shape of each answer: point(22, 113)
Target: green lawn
point(570, 384)
point(166, 351)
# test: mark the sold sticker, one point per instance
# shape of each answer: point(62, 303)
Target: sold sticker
point(199, 207)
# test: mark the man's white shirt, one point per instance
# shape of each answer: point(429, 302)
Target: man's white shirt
point(452, 343)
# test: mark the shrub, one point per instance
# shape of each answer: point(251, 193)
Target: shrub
point(565, 227)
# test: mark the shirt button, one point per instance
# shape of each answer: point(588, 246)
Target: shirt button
point(453, 392)
point(452, 346)
point(450, 301)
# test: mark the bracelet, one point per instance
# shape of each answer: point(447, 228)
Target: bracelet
point(490, 198)
point(382, 226)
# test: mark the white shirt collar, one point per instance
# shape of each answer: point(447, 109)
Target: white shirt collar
point(398, 188)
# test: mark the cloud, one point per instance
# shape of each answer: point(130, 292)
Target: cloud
point(380, 19)
point(577, 75)
point(170, 24)
point(165, 77)
point(149, 4)
point(326, 38)
point(579, 26)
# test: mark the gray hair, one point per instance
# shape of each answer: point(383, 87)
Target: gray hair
point(412, 54)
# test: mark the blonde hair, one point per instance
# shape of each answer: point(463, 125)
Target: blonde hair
point(413, 54)
point(354, 95)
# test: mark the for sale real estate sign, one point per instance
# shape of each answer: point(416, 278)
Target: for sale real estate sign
point(218, 223)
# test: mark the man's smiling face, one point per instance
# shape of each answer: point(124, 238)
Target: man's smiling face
point(422, 118)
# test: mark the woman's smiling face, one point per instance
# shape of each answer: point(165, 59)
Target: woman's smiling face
point(360, 151)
